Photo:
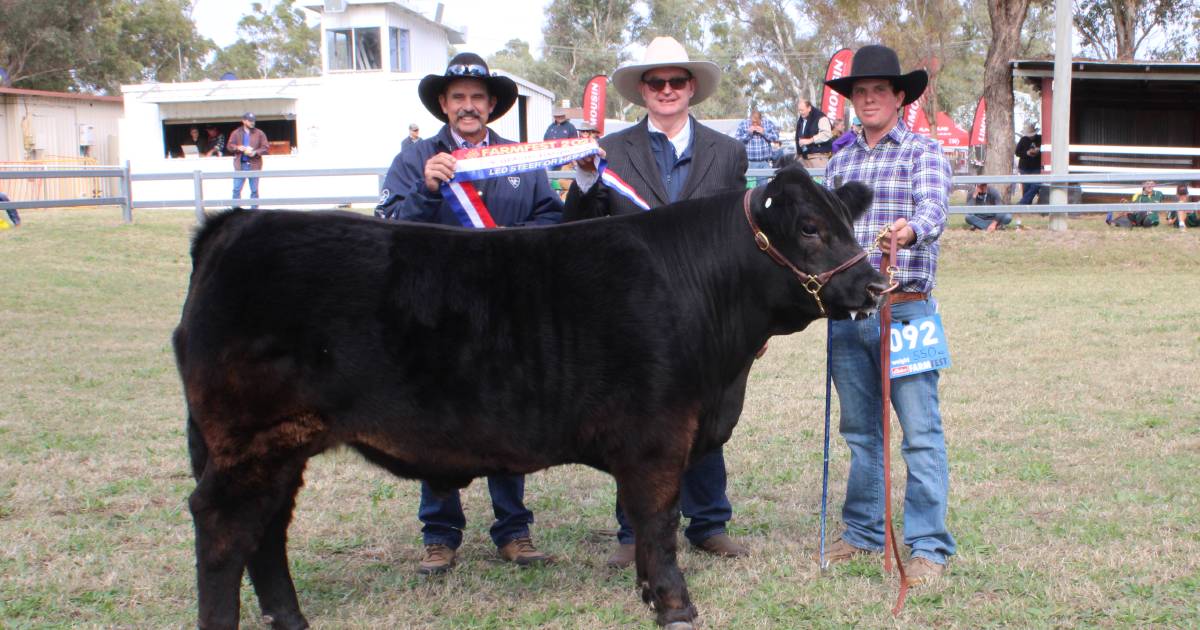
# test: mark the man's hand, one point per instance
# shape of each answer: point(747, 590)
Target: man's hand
point(438, 169)
point(905, 235)
point(588, 163)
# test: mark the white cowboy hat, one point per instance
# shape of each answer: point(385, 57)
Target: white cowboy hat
point(665, 52)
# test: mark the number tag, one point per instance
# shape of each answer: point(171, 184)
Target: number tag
point(919, 346)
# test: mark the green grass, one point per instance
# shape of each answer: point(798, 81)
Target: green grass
point(1072, 415)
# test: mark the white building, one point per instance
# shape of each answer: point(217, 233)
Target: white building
point(373, 55)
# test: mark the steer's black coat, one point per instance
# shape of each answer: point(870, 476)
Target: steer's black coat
point(448, 354)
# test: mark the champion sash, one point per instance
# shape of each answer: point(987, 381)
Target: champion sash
point(500, 160)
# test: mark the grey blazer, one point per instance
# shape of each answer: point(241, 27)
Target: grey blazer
point(718, 165)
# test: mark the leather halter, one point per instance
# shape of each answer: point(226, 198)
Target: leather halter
point(812, 284)
point(887, 265)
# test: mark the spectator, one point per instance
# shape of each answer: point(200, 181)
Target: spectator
point(814, 136)
point(13, 216)
point(588, 131)
point(467, 97)
point(686, 160)
point(247, 144)
point(1029, 162)
point(985, 196)
point(757, 134)
point(1177, 217)
point(561, 128)
point(1138, 218)
point(213, 144)
point(845, 139)
point(413, 137)
point(192, 141)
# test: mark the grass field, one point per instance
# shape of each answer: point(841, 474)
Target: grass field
point(1072, 414)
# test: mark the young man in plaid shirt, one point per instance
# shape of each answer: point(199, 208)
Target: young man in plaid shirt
point(911, 179)
point(757, 134)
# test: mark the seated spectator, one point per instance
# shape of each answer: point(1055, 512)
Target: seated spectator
point(213, 143)
point(1192, 219)
point(985, 196)
point(13, 215)
point(1138, 218)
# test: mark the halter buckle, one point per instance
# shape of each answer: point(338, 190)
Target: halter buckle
point(762, 241)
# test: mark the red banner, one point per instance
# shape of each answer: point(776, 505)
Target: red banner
point(949, 133)
point(595, 94)
point(832, 103)
point(915, 118)
point(979, 126)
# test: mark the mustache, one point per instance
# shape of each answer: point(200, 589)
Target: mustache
point(468, 112)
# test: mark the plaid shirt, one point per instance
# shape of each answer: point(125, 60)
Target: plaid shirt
point(758, 146)
point(911, 178)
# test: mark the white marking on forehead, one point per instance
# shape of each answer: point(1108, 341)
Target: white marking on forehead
point(767, 203)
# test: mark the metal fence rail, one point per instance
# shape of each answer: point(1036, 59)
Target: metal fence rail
point(199, 203)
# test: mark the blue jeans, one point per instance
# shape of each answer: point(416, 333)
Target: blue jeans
point(238, 182)
point(701, 499)
point(444, 520)
point(982, 221)
point(855, 347)
point(1030, 190)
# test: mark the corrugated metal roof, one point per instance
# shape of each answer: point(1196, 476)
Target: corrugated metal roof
point(70, 95)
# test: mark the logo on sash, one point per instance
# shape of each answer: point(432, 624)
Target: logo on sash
point(514, 181)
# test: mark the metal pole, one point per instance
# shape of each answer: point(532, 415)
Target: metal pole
point(198, 187)
point(126, 195)
point(1061, 108)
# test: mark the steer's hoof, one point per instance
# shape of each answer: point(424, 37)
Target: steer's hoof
point(679, 625)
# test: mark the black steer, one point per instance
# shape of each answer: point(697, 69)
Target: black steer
point(448, 354)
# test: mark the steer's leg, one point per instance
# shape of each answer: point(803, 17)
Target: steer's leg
point(650, 499)
point(268, 568)
point(232, 509)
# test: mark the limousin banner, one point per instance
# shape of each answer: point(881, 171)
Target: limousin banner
point(832, 103)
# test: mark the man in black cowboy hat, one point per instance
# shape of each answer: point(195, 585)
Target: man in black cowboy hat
point(466, 97)
point(911, 179)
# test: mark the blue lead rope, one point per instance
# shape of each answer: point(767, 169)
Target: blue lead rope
point(825, 462)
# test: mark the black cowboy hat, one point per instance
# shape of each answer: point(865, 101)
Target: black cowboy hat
point(467, 66)
point(881, 62)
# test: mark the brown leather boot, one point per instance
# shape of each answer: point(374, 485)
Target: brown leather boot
point(522, 552)
point(438, 559)
point(920, 571)
point(842, 551)
point(623, 556)
point(724, 546)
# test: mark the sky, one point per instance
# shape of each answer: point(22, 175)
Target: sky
point(489, 23)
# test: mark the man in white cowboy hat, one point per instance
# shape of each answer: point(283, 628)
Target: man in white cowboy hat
point(911, 179)
point(466, 97)
point(1029, 161)
point(561, 128)
point(667, 157)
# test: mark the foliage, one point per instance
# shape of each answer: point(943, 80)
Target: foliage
point(271, 44)
point(96, 45)
point(1129, 29)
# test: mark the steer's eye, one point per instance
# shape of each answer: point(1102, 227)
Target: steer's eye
point(808, 229)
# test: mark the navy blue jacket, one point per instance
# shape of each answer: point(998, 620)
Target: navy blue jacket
point(561, 132)
point(524, 199)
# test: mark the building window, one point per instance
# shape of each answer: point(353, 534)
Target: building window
point(399, 49)
point(354, 49)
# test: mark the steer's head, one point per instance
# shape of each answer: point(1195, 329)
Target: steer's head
point(812, 228)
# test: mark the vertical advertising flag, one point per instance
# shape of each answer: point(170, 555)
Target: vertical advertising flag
point(948, 132)
point(979, 126)
point(915, 118)
point(832, 103)
point(595, 94)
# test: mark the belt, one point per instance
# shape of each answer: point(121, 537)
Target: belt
point(898, 297)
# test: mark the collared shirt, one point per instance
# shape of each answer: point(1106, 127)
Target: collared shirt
point(758, 145)
point(681, 139)
point(911, 178)
point(462, 144)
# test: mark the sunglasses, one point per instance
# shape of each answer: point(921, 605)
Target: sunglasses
point(677, 83)
point(466, 70)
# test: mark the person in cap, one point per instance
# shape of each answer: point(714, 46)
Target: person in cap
point(214, 141)
point(561, 128)
point(466, 97)
point(669, 156)
point(413, 137)
point(1029, 162)
point(911, 179)
point(247, 144)
point(588, 130)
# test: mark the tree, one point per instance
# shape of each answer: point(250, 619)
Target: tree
point(1007, 17)
point(1118, 29)
point(583, 38)
point(271, 44)
point(96, 45)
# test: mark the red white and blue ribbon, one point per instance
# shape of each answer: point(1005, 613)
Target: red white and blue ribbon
point(501, 160)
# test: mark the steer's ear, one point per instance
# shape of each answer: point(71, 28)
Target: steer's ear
point(857, 197)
